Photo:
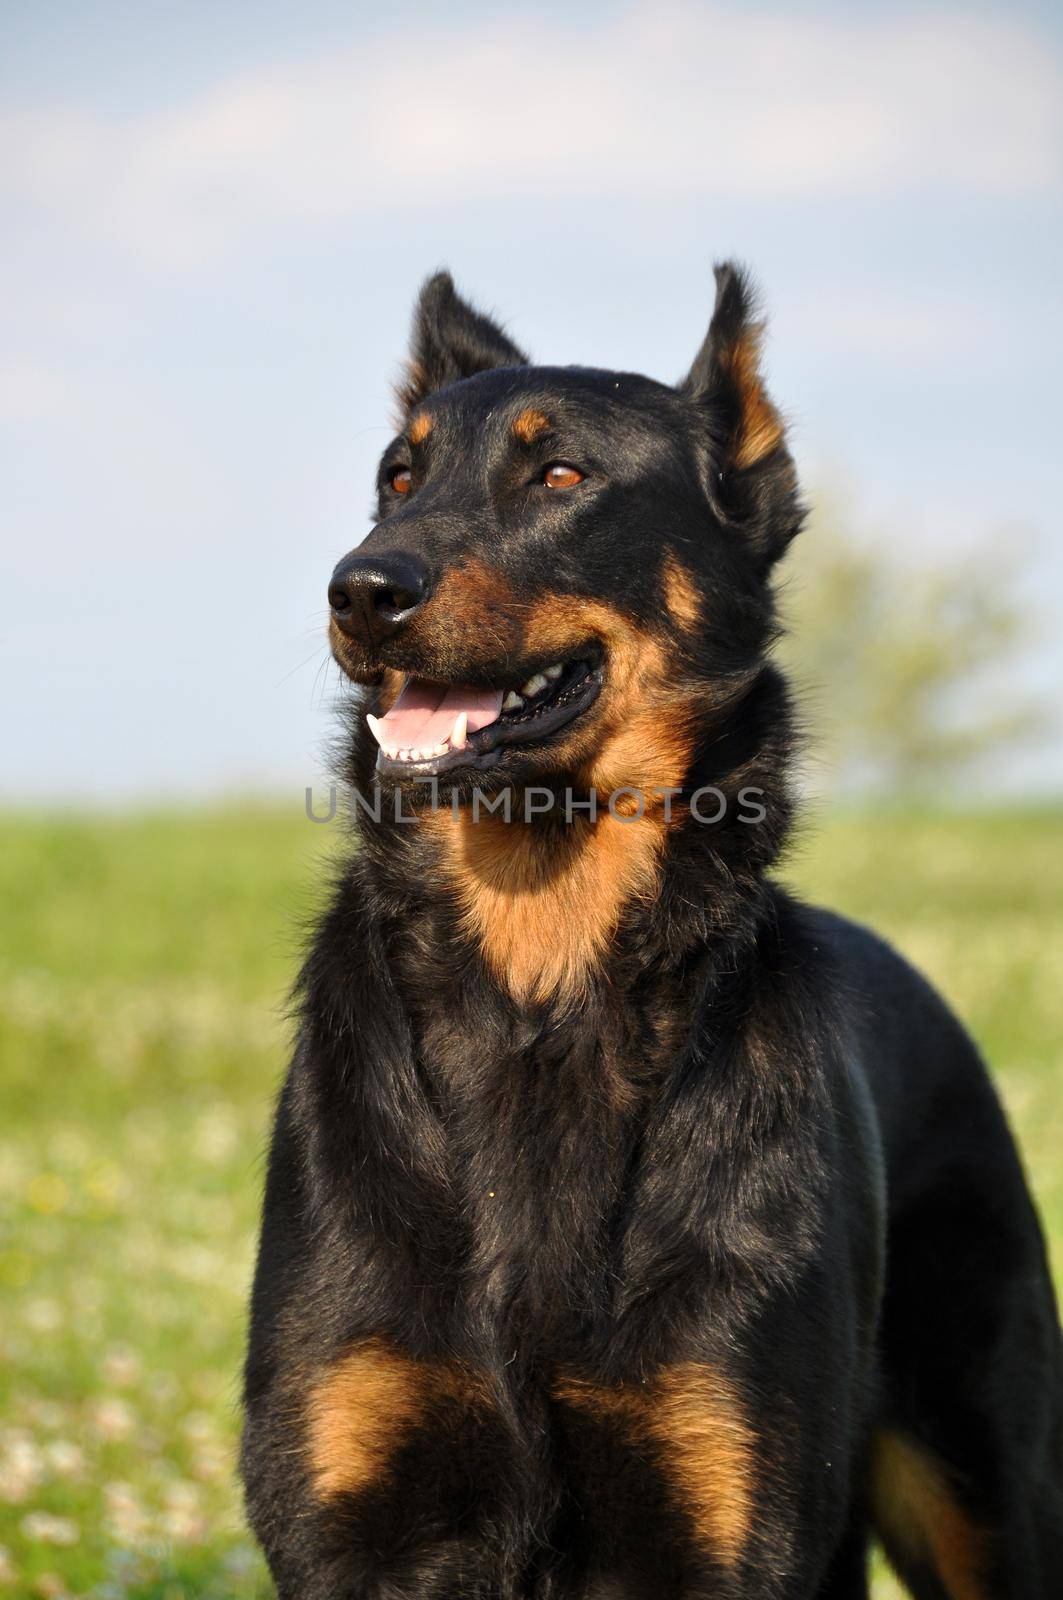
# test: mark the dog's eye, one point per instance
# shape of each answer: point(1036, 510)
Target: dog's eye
point(399, 479)
point(559, 475)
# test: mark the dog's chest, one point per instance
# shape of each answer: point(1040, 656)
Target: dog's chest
point(543, 1121)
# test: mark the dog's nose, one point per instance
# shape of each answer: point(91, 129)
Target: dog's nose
point(374, 596)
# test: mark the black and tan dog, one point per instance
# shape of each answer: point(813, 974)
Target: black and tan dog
point(631, 1230)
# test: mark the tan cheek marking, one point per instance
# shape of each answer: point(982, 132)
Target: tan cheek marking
point(531, 425)
point(919, 1517)
point(421, 427)
point(641, 732)
point(391, 683)
point(692, 1418)
point(361, 1409)
point(761, 428)
point(681, 595)
point(473, 613)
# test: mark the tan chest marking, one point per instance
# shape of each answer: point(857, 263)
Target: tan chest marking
point(363, 1407)
point(543, 906)
point(919, 1517)
point(692, 1419)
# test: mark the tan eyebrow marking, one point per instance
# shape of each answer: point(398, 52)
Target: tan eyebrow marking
point(530, 425)
point(421, 427)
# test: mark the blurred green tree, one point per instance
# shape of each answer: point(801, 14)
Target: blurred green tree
point(907, 667)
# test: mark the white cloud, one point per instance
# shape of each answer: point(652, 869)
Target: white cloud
point(682, 102)
point(31, 392)
point(896, 326)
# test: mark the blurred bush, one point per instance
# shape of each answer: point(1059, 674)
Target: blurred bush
point(911, 670)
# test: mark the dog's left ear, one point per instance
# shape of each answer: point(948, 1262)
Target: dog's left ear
point(451, 340)
point(753, 475)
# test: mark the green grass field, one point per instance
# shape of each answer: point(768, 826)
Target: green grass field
point(142, 982)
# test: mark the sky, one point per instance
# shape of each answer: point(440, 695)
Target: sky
point(216, 217)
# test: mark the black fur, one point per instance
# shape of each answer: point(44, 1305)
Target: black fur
point(748, 1155)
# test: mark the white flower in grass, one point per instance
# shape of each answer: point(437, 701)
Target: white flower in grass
point(47, 1414)
point(183, 1526)
point(217, 1135)
point(212, 1462)
point(113, 1418)
point(122, 1366)
point(50, 1586)
point(199, 1427)
point(40, 1527)
point(163, 1388)
point(44, 1316)
point(22, 1466)
point(126, 1517)
point(65, 1457)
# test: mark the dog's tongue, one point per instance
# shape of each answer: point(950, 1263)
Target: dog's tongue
point(424, 714)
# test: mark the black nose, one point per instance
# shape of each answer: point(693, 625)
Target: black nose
point(374, 596)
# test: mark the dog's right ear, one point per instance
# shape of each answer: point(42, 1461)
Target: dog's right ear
point(451, 340)
point(753, 480)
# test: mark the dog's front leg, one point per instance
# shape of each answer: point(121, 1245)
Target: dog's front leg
point(381, 1475)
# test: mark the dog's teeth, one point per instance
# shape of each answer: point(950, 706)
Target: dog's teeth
point(512, 702)
point(459, 734)
point(555, 671)
point(375, 724)
point(533, 686)
point(439, 749)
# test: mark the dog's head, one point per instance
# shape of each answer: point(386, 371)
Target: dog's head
point(569, 575)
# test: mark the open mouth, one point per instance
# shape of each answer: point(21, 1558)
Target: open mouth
point(436, 727)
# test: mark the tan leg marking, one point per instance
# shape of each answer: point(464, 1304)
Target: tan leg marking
point(918, 1516)
point(692, 1417)
point(360, 1410)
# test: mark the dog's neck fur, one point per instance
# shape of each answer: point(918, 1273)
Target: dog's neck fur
point(541, 916)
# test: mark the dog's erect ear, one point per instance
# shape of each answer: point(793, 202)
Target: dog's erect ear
point(451, 340)
point(754, 480)
point(726, 376)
